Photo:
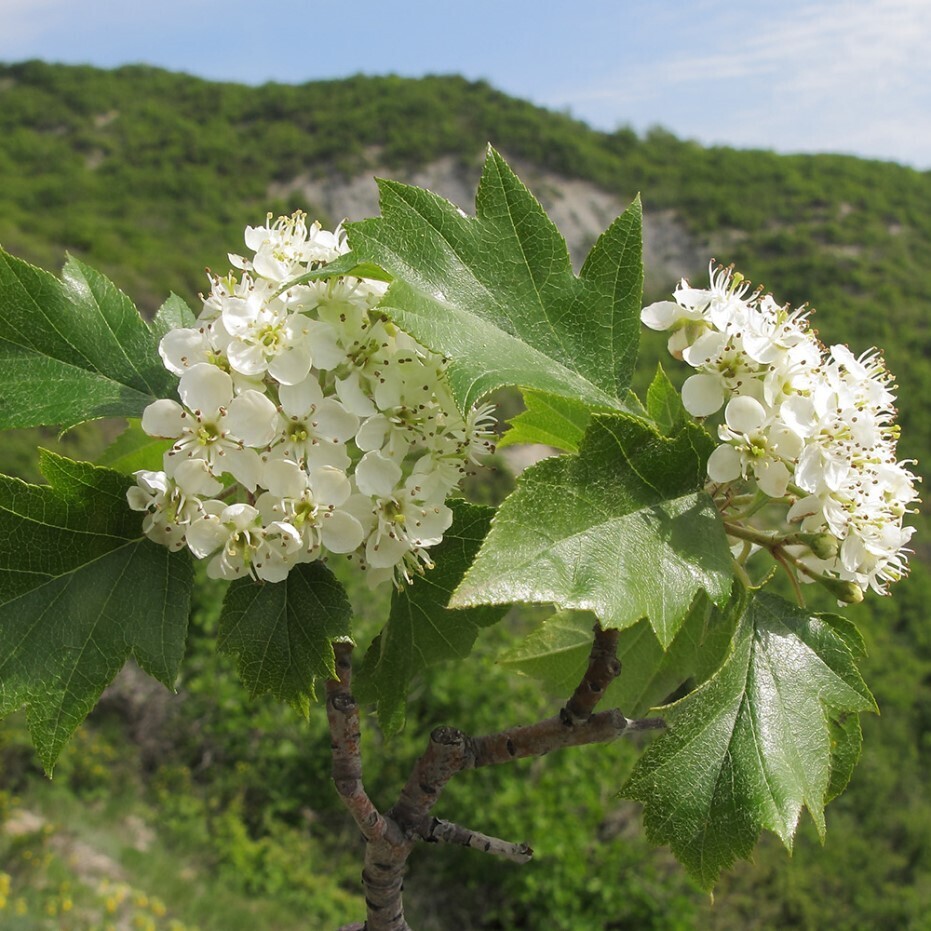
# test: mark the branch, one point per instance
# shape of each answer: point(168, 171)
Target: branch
point(447, 753)
point(576, 724)
point(386, 847)
point(390, 838)
point(541, 738)
point(343, 717)
point(445, 832)
point(603, 668)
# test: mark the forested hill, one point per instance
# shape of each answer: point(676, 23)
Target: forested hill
point(152, 174)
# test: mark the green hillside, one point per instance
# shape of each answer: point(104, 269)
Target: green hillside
point(151, 175)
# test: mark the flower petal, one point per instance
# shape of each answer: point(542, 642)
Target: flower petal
point(744, 414)
point(298, 399)
point(340, 532)
point(355, 399)
point(284, 478)
point(253, 418)
point(331, 421)
point(330, 486)
point(193, 477)
point(292, 365)
point(662, 315)
point(165, 418)
point(182, 348)
point(204, 388)
point(206, 535)
point(724, 464)
point(702, 394)
point(377, 475)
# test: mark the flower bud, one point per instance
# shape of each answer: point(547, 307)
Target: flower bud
point(847, 592)
point(823, 545)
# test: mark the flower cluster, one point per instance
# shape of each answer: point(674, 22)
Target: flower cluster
point(811, 428)
point(308, 423)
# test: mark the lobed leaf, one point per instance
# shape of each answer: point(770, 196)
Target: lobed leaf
point(496, 293)
point(81, 590)
point(72, 350)
point(282, 634)
point(620, 530)
point(753, 745)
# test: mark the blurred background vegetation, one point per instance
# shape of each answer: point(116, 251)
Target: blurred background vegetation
point(203, 810)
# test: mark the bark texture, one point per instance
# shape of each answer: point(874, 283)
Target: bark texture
point(390, 837)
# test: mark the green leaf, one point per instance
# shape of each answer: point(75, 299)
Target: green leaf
point(72, 350)
point(557, 654)
point(634, 405)
point(497, 293)
point(346, 264)
point(551, 420)
point(848, 632)
point(281, 634)
point(753, 745)
point(421, 631)
point(172, 315)
point(620, 530)
point(81, 590)
point(650, 674)
point(846, 743)
point(134, 449)
point(664, 403)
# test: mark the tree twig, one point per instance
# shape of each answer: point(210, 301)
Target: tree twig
point(603, 668)
point(445, 832)
point(343, 718)
point(391, 837)
point(538, 739)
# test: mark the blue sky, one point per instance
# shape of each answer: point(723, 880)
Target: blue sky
point(793, 75)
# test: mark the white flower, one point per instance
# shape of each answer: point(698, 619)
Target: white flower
point(283, 247)
point(184, 347)
point(340, 427)
point(213, 425)
point(755, 443)
point(314, 429)
point(235, 530)
point(806, 427)
point(267, 336)
point(310, 503)
point(168, 508)
point(278, 549)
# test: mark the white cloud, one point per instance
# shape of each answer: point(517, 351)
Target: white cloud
point(821, 46)
point(841, 75)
